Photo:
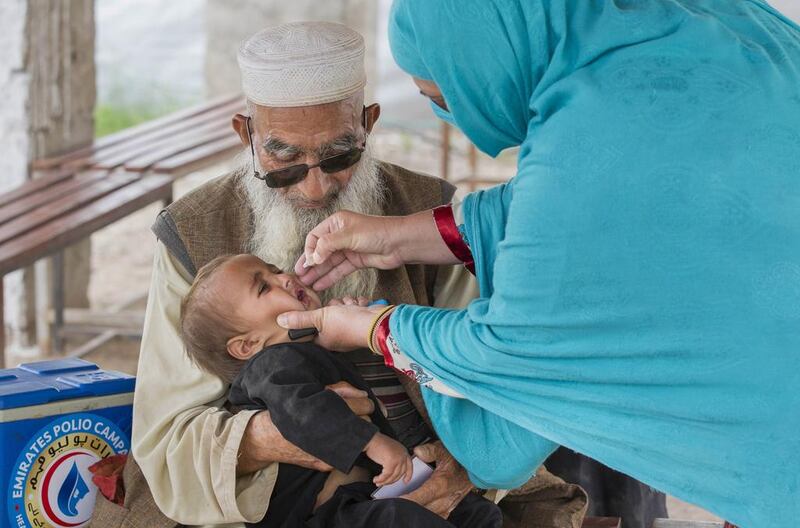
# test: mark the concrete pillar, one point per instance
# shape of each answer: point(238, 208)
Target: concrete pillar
point(229, 22)
point(47, 78)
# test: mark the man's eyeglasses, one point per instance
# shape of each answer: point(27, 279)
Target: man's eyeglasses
point(296, 173)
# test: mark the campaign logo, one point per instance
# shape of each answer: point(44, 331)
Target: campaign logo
point(72, 490)
point(51, 484)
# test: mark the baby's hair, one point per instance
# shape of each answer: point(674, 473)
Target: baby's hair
point(205, 326)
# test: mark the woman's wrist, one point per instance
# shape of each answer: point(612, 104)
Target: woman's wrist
point(377, 329)
point(452, 236)
point(416, 240)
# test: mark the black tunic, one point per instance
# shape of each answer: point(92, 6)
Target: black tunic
point(289, 380)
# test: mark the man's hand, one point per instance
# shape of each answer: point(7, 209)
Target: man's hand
point(449, 483)
point(262, 444)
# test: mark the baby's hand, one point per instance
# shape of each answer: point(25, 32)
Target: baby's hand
point(393, 456)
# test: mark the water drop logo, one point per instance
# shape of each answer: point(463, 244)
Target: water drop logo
point(52, 485)
point(72, 491)
point(67, 494)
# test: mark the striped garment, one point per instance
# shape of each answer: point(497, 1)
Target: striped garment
point(404, 418)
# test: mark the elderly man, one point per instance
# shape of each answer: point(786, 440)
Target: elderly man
point(307, 155)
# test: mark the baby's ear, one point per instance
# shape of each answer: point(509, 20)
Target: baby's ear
point(245, 346)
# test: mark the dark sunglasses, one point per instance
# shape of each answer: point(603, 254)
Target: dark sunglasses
point(296, 173)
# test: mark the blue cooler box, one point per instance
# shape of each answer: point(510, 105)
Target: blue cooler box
point(57, 418)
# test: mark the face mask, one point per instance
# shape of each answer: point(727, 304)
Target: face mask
point(443, 114)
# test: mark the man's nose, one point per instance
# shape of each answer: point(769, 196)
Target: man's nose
point(315, 186)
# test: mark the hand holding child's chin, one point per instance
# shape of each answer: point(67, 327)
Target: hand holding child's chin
point(341, 327)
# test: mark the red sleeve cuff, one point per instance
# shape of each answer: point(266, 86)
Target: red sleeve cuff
point(381, 335)
point(446, 224)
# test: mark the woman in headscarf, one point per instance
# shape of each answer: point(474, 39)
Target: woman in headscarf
point(640, 275)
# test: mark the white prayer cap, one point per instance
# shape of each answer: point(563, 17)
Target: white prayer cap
point(302, 64)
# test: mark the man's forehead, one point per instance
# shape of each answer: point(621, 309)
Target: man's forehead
point(309, 125)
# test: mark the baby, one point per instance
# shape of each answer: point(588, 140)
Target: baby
point(228, 324)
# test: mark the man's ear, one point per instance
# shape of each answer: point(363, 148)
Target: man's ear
point(245, 346)
point(371, 115)
point(239, 123)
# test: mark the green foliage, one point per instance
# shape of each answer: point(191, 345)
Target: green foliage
point(110, 118)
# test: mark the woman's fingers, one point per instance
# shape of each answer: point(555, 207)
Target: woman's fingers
point(334, 275)
point(309, 275)
point(297, 320)
point(328, 237)
point(300, 266)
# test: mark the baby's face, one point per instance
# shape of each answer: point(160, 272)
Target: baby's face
point(261, 292)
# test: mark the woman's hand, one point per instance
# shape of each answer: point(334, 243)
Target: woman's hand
point(346, 241)
point(341, 327)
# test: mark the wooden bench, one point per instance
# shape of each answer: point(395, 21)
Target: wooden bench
point(38, 221)
point(77, 193)
point(176, 144)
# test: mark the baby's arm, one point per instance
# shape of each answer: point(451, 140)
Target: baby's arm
point(286, 381)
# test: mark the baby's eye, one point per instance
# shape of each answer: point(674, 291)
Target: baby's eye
point(263, 288)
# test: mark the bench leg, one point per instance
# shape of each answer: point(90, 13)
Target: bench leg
point(58, 301)
point(42, 298)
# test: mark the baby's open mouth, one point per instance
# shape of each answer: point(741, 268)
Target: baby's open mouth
point(302, 296)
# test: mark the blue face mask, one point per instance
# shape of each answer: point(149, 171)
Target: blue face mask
point(443, 114)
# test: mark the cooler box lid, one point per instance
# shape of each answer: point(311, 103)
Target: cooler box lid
point(61, 379)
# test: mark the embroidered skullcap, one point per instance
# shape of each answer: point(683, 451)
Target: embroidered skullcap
point(302, 64)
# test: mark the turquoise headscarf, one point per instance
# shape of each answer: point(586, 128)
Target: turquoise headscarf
point(510, 62)
point(640, 276)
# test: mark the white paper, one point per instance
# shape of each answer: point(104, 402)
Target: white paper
point(421, 473)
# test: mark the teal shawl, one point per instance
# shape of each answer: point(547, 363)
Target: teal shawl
point(640, 275)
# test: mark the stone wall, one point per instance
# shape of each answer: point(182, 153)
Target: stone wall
point(47, 81)
point(229, 22)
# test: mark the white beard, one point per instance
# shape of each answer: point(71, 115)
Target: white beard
point(280, 227)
